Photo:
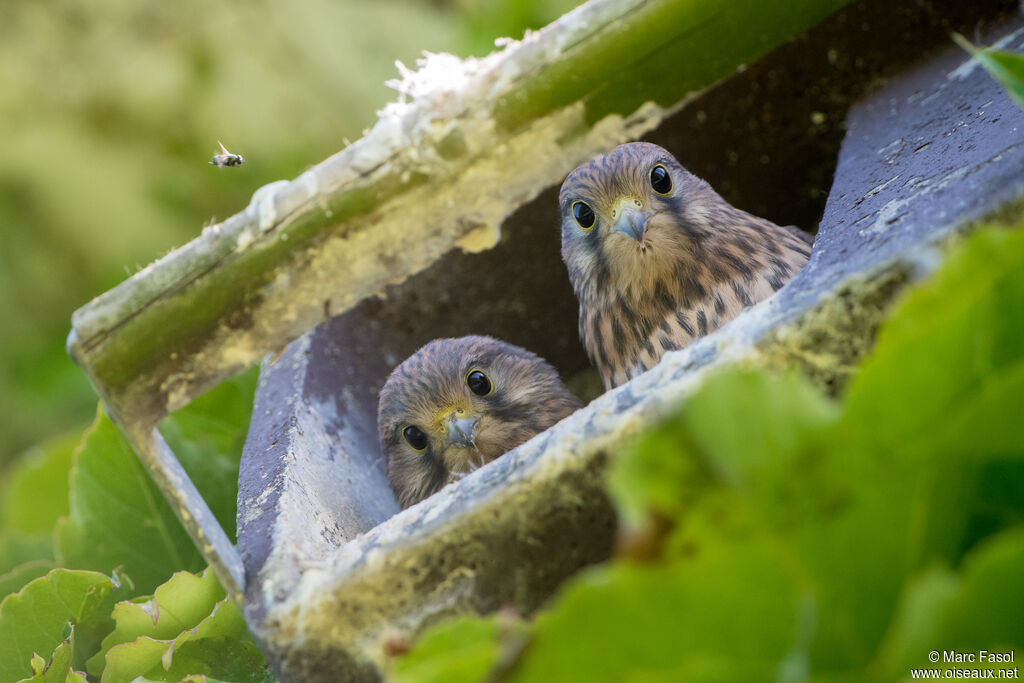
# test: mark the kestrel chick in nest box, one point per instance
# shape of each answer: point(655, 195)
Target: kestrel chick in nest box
point(457, 404)
point(657, 258)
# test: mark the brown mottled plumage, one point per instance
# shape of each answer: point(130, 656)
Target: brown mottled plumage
point(657, 258)
point(457, 404)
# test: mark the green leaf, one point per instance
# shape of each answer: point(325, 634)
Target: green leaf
point(187, 627)
point(951, 343)
point(985, 611)
point(750, 462)
point(745, 428)
point(118, 517)
point(34, 620)
point(58, 668)
point(703, 620)
point(735, 430)
point(942, 390)
point(33, 497)
point(465, 649)
point(159, 659)
point(216, 658)
point(975, 609)
point(1004, 66)
point(207, 436)
point(19, 576)
point(36, 492)
point(17, 548)
point(176, 606)
point(134, 660)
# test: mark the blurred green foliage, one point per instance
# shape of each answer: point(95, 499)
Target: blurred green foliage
point(777, 534)
point(110, 110)
point(37, 621)
point(74, 548)
point(117, 517)
point(188, 627)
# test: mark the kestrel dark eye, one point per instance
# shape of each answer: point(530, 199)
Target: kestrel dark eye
point(661, 181)
point(583, 214)
point(415, 437)
point(478, 383)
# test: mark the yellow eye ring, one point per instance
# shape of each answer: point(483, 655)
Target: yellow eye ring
point(479, 383)
point(583, 215)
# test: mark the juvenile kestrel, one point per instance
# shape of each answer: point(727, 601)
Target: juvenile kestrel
point(457, 404)
point(657, 258)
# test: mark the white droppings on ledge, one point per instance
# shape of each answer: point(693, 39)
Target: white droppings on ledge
point(309, 182)
point(891, 212)
point(263, 192)
point(245, 240)
point(262, 204)
point(436, 72)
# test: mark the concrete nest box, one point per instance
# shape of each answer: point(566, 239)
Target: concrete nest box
point(443, 221)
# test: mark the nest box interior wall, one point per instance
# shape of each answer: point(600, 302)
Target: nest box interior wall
point(312, 476)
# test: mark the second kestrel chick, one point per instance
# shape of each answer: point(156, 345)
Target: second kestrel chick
point(457, 404)
point(657, 258)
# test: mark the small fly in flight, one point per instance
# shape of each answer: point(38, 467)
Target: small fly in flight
point(226, 158)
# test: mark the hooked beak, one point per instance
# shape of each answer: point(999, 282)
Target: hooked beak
point(630, 220)
point(461, 431)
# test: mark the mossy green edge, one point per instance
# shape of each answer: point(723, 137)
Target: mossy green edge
point(662, 52)
point(182, 319)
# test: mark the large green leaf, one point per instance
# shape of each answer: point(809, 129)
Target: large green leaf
point(187, 627)
point(471, 646)
point(36, 491)
point(215, 658)
point(977, 609)
point(58, 668)
point(770, 475)
point(34, 621)
point(207, 436)
point(21, 574)
point(942, 391)
point(118, 517)
point(33, 497)
point(178, 605)
point(735, 430)
point(17, 548)
point(156, 659)
point(683, 621)
point(953, 346)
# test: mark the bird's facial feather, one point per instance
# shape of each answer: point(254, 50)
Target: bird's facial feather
point(636, 181)
point(663, 259)
point(501, 393)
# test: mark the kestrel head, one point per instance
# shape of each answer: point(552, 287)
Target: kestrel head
point(629, 218)
point(457, 404)
point(657, 258)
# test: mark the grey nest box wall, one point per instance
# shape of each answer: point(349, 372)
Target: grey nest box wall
point(332, 574)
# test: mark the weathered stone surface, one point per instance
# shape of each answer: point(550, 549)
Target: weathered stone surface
point(333, 573)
